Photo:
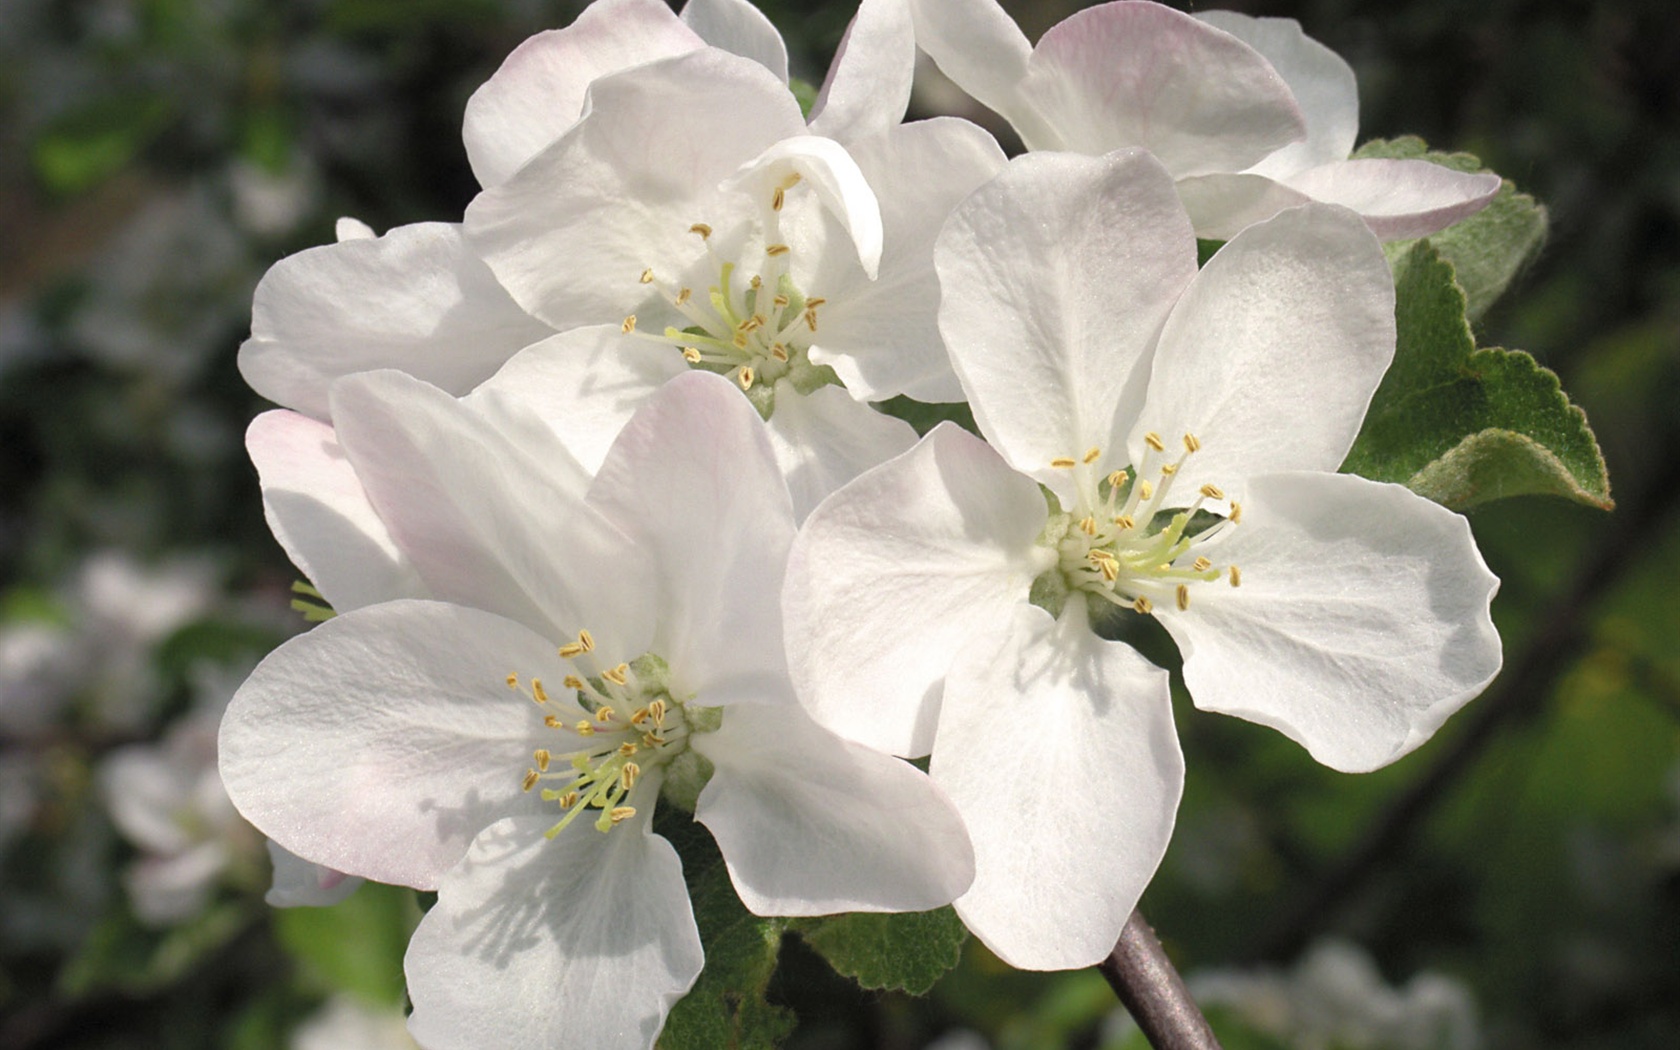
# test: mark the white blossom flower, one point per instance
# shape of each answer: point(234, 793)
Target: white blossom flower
point(1186, 427)
point(585, 652)
point(1250, 115)
point(346, 1023)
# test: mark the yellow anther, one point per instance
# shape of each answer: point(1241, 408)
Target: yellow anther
point(814, 302)
point(538, 693)
point(531, 778)
point(1062, 463)
point(777, 199)
point(1092, 454)
point(683, 295)
point(627, 776)
point(1201, 564)
point(620, 814)
point(780, 300)
point(628, 748)
point(572, 681)
point(1236, 576)
point(552, 721)
point(779, 352)
point(1088, 526)
point(584, 728)
point(1183, 597)
point(1117, 479)
point(1143, 605)
point(639, 717)
point(512, 680)
point(628, 325)
point(752, 324)
point(745, 377)
point(691, 355)
point(652, 741)
point(756, 283)
point(586, 640)
point(1169, 469)
point(776, 249)
point(567, 799)
point(1145, 490)
point(702, 229)
point(1213, 492)
point(616, 675)
point(1192, 443)
point(542, 756)
point(1125, 522)
point(657, 711)
point(1153, 440)
point(811, 318)
point(647, 277)
point(739, 342)
point(1236, 512)
point(1105, 563)
point(604, 715)
point(571, 649)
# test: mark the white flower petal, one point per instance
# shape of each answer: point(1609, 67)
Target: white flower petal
point(349, 228)
point(1059, 750)
point(825, 438)
point(538, 93)
point(868, 85)
point(1274, 352)
point(485, 523)
point(882, 337)
point(1141, 74)
point(740, 28)
point(415, 299)
point(1222, 206)
point(1322, 83)
point(1361, 623)
point(692, 480)
point(584, 385)
point(383, 740)
point(1400, 199)
point(587, 940)
point(1056, 277)
point(890, 577)
point(319, 512)
point(571, 233)
point(811, 824)
point(835, 177)
point(982, 50)
point(300, 883)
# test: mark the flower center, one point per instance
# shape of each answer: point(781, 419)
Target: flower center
point(618, 735)
point(1123, 545)
point(755, 324)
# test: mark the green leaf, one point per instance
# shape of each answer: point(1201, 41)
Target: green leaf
point(356, 945)
point(726, 1007)
point(122, 954)
point(805, 93)
point(924, 416)
point(94, 142)
point(906, 952)
point(1488, 249)
point(1463, 426)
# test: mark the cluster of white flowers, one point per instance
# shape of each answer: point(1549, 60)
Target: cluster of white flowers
point(596, 488)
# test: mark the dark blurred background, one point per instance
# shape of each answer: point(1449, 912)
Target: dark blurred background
point(1514, 883)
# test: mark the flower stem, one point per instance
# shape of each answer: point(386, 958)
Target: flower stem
point(1152, 991)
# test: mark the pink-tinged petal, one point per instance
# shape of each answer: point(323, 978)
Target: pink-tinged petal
point(300, 883)
point(1361, 623)
point(835, 178)
point(825, 438)
point(583, 385)
point(982, 50)
point(538, 93)
point(1400, 199)
point(1056, 278)
point(868, 85)
point(1222, 206)
point(586, 940)
point(739, 28)
point(319, 512)
point(383, 740)
point(882, 337)
point(693, 482)
point(572, 232)
point(1322, 83)
point(891, 576)
point(415, 299)
point(1133, 73)
point(811, 824)
point(1058, 748)
point(484, 522)
point(1274, 352)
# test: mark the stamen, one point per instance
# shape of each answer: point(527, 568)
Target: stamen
point(774, 250)
point(542, 756)
point(1125, 522)
point(1153, 440)
point(1183, 597)
point(538, 693)
point(628, 325)
point(1092, 454)
point(745, 377)
point(1116, 480)
point(1062, 463)
point(552, 721)
point(1192, 443)
point(616, 675)
point(777, 199)
point(702, 229)
point(1169, 469)
point(628, 748)
point(683, 296)
point(1201, 564)
point(1212, 492)
point(627, 775)
point(1088, 526)
point(512, 680)
point(1236, 512)
point(572, 681)
point(584, 728)
point(531, 778)
point(1145, 490)
point(1236, 576)
point(647, 276)
point(1143, 605)
point(620, 814)
point(604, 715)
point(691, 355)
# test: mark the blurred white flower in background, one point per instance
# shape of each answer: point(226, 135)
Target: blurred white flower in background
point(346, 1023)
